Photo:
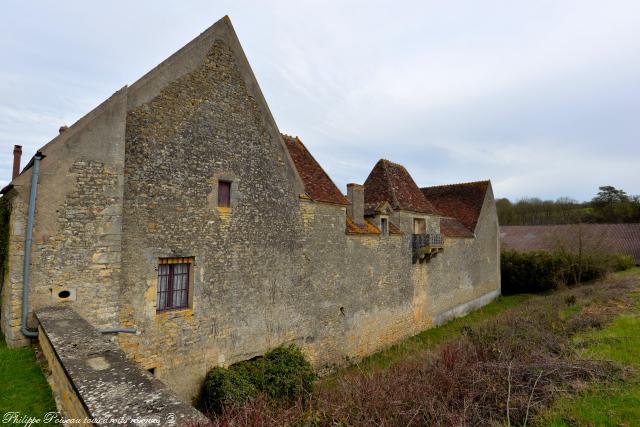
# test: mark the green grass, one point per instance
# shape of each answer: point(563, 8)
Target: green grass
point(434, 336)
point(609, 404)
point(600, 405)
point(23, 387)
point(634, 270)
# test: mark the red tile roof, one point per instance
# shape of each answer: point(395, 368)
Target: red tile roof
point(461, 201)
point(451, 227)
point(611, 238)
point(391, 182)
point(368, 228)
point(317, 184)
point(393, 229)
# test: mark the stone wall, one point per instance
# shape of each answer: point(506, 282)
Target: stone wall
point(94, 382)
point(468, 269)
point(271, 269)
point(139, 184)
point(77, 226)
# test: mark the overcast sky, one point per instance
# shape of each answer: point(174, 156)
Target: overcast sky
point(541, 97)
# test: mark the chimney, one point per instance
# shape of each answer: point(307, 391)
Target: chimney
point(63, 128)
point(17, 154)
point(355, 194)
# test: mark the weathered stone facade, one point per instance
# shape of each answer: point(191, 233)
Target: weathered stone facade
point(136, 181)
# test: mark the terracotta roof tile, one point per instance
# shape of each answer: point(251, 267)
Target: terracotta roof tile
point(451, 227)
point(391, 182)
point(393, 229)
point(366, 228)
point(461, 201)
point(317, 184)
point(612, 238)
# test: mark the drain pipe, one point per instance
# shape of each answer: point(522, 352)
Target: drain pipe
point(35, 172)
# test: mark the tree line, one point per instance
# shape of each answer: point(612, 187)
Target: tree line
point(609, 205)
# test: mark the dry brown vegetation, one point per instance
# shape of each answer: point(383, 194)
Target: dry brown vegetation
point(499, 372)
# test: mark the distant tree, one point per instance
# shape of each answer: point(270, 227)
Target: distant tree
point(609, 195)
point(610, 205)
point(613, 206)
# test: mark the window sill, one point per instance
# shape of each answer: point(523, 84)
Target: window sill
point(175, 312)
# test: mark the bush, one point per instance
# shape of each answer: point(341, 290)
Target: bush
point(224, 387)
point(287, 374)
point(283, 374)
point(528, 272)
point(540, 271)
point(621, 262)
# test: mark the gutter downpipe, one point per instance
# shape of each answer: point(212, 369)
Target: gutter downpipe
point(27, 246)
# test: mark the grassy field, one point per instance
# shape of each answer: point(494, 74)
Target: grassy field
point(23, 387)
point(605, 404)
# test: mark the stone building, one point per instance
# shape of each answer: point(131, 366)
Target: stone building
point(178, 209)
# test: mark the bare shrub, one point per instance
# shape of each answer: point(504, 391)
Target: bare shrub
point(500, 372)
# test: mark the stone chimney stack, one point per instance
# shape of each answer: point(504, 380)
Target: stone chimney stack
point(355, 194)
point(17, 154)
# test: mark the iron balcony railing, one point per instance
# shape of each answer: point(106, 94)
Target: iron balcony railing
point(426, 246)
point(427, 240)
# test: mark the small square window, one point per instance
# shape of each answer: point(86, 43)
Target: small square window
point(173, 283)
point(224, 194)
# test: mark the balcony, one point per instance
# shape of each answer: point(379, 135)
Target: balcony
point(426, 246)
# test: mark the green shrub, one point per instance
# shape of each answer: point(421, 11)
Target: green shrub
point(528, 272)
point(283, 374)
point(287, 374)
point(540, 271)
point(223, 387)
point(621, 262)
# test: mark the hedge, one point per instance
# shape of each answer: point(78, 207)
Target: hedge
point(540, 271)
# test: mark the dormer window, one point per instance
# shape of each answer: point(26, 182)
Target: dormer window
point(224, 194)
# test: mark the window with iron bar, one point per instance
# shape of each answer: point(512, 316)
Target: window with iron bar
point(173, 283)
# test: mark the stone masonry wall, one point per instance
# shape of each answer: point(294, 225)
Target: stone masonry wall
point(468, 269)
point(95, 383)
point(270, 269)
point(202, 127)
point(140, 183)
point(77, 226)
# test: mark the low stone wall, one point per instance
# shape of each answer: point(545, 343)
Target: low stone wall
point(95, 382)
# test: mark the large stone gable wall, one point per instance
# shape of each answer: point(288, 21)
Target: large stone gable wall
point(203, 126)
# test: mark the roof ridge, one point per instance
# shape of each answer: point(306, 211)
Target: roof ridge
point(483, 181)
